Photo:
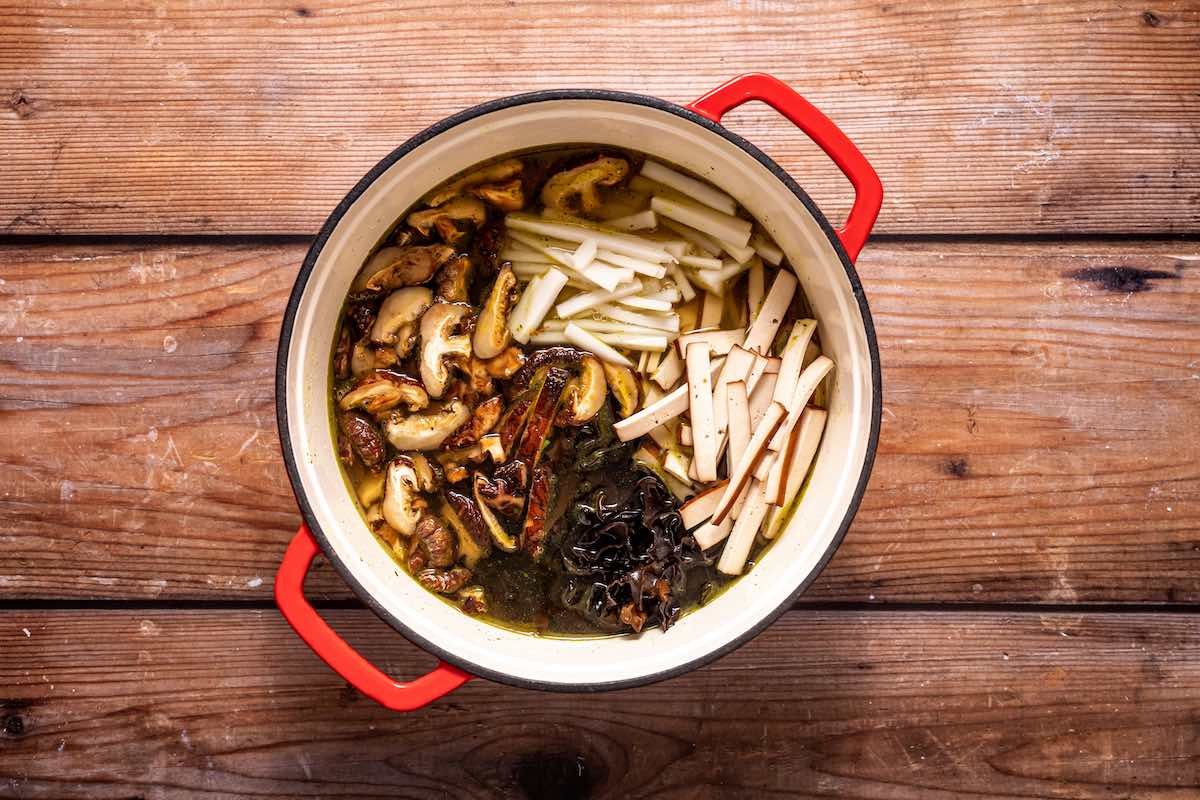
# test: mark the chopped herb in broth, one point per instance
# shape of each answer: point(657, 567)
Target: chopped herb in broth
point(576, 392)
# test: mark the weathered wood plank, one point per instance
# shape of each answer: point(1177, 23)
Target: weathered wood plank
point(884, 705)
point(220, 117)
point(1038, 443)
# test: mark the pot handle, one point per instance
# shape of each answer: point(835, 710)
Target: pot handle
point(334, 651)
point(868, 191)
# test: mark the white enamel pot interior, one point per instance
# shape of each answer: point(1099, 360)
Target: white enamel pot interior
point(675, 135)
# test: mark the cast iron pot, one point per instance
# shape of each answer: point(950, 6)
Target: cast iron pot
point(691, 137)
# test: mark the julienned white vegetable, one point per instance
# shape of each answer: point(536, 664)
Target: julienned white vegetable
point(766, 324)
point(793, 358)
point(587, 341)
point(582, 302)
point(685, 436)
point(681, 282)
point(739, 421)
point(711, 533)
point(719, 342)
point(664, 322)
point(676, 463)
point(755, 286)
point(605, 326)
point(766, 248)
point(806, 384)
point(652, 360)
point(530, 269)
point(749, 459)
point(584, 254)
point(700, 407)
point(796, 456)
point(534, 304)
point(701, 262)
point(740, 254)
point(720, 226)
point(685, 184)
point(624, 243)
point(657, 411)
point(706, 243)
point(604, 276)
point(669, 371)
point(717, 277)
point(700, 507)
point(629, 341)
point(741, 538)
point(807, 438)
point(645, 303)
point(648, 268)
point(641, 221)
point(711, 310)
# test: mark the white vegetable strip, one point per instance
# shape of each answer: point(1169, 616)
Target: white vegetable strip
point(584, 254)
point(582, 302)
point(749, 459)
point(710, 311)
point(681, 282)
point(723, 227)
point(676, 464)
point(642, 220)
point(741, 538)
point(695, 189)
point(807, 438)
point(709, 533)
point(606, 326)
point(806, 384)
point(754, 289)
point(666, 322)
point(700, 262)
point(793, 358)
point(623, 243)
point(766, 248)
point(719, 342)
point(669, 370)
point(587, 341)
point(641, 365)
point(606, 277)
point(740, 254)
point(709, 281)
point(795, 458)
point(663, 409)
point(761, 398)
point(700, 507)
point(638, 265)
point(629, 341)
point(705, 243)
point(534, 303)
point(664, 437)
point(652, 361)
point(704, 445)
point(766, 324)
point(685, 438)
point(530, 269)
point(645, 303)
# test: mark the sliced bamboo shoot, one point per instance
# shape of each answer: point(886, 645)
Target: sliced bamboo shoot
point(582, 302)
point(684, 184)
point(701, 241)
point(807, 437)
point(642, 220)
point(638, 265)
point(806, 384)
point(793, 358)
point(658, 411)
point(700, 395)
point(710, 312)
point(700, 262)
point(719, 342)
point(584, 254)
point(624, 243)
point(644, 303)
point(669, 371)
point(700, 507)
point(535, 303)
point(665, 322)
point(748, 459)
point(721, 226)
point(676, 463)
point(685, 435)
point(741, 538)
point(587, 341)
point(775, 306)
point(742, 254)
point(755, 288)
point(766, 248)
point(681, 282)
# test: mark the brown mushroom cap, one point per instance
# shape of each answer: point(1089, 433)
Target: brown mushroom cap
point(500, 536)
point(450, 219)
point(500, 171)
point(393, 267)
point(624, 386)
point(382, 390)
point(584, 394)
point(576, 190)
point(491, 331)
point(364, 439)
point(400, 508)
point(454, 279)
point(427, 430)
point(438, 343)
point(504, 196)
point(396, 323)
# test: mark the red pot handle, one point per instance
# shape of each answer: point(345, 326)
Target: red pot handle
point(868, 191)
point(333, 650)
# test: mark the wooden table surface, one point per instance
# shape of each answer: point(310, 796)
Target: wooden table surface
point(1014, 614)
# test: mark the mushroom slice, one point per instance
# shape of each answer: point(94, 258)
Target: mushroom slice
point(506, 364)
point(427, 478)
point(500, 171)
point(364, 439)
point(341, 354)
point(576, 190)
point(624, 386)
point(449, 219)
point(444, 581)
point(483, 419)
point(426, 431)
point(393, 267)
point(533, 531)
point(396, 323)
point(504, 196)
point(491, 331)
point(454, 279)
point(438, 342)
point(362, 357)
point(474, 600)
point(474, 540)
point(401, 506)
point(437, 541)
point(585, 393)
point(501, 537)
point(381, 390)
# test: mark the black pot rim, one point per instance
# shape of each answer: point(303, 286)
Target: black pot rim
point(302, 281)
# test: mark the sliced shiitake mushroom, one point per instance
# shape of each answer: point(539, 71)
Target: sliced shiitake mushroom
point(501, 537)
point(483, 419)
point(382, 390)
point(491, 331)
point(624, 387)
point(444, 581)
point(585, 393)
point(427, 430)
point(453, 220)
point(396, 323)
point(454, 280)
point(363, 439)
point(438, 543)
point(440, 343)
point(401, 506)
point(474, 540)
point(508, 196)
point(393, 267)
point(492, 173)
point(506, 364)
point(576, 190)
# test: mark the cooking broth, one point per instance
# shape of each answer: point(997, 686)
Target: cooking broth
point(546, 377)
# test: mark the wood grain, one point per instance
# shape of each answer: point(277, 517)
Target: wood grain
point(874, 706)
point(980, 116)
point(1039, 436)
